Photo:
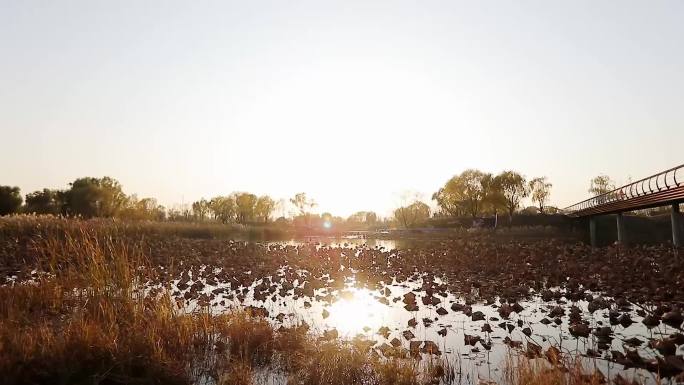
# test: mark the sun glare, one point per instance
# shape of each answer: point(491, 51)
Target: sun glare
point(357, 313)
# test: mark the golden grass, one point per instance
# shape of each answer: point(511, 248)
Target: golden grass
point(46, 225)
point(338, 363)
point(87, 317)
point(519, 370)
point(252, 339)
point(239, 373)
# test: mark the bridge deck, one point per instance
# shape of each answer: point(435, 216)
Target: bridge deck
point(656, 190)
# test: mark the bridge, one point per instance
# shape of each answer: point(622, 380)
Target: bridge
point(665, 188)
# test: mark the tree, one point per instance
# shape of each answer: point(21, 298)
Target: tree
point(540, 190)
point(10, 200)
point(200, 209)
point(264, 208)
point(409, 216)
point(514, 188)
point(474, 192)
point(245, 204)
point(363, 217)
point(144, 209)
point(95, 197)
point(151, 209)
point(302, 203)
point(223, 208)
point(450, 198)
point(493, 198)
point(180, 213)
point(463, 193)
point(45, 202)
point(600, 185)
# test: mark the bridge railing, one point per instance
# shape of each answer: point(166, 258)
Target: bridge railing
point(661, 182)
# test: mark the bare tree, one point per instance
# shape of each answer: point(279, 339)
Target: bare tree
point(540, 190)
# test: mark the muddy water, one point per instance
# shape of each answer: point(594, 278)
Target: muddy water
point(352, 309)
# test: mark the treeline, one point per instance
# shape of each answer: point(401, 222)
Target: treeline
point(239, 207)
point(475, 193)
point(104, 198)
point(472, 193)
point(85, 197)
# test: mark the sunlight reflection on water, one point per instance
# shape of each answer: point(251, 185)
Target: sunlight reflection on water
point(380, 315)
point(356, 312)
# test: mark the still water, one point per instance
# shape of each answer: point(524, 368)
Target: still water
point(476, 342)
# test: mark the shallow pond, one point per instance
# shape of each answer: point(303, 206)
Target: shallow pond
point(420, 317)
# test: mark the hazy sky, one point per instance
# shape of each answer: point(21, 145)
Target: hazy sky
point(351, 102)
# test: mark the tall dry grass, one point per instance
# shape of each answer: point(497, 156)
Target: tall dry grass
point(86, 317)
point(559, 370)
point(41, 225)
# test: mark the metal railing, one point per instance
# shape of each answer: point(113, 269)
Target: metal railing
point(664, 187)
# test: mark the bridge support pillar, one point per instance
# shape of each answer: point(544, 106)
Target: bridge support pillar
point(592, 231)
point(676, 219)
point(621, 229)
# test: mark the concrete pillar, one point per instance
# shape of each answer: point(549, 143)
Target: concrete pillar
point(621, 229)
point(676, 219)
point(592, 231)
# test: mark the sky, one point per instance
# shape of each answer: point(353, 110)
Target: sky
point(352, 102)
